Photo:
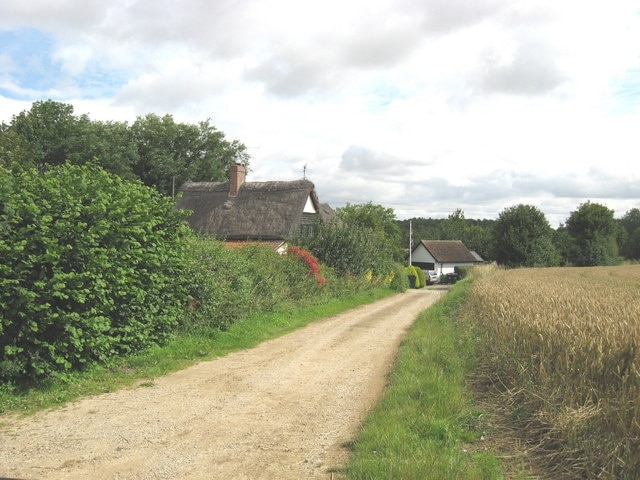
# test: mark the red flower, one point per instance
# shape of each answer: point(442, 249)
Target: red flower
point(310, 260)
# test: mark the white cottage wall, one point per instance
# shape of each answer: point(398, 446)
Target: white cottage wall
point(422, 255)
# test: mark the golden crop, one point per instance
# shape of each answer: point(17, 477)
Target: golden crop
point(564, 344)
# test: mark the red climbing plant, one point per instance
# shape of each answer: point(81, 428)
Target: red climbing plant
point(310, 260)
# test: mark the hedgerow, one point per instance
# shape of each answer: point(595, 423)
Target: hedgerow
point(311, 262)
point(94, 267)
point(91, 267)
point(226, 284)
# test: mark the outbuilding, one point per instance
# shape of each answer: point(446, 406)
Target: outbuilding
point(442, 256)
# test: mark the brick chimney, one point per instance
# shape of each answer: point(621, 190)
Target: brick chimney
point(236, 178)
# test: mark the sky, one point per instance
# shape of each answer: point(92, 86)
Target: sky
point(422, 106)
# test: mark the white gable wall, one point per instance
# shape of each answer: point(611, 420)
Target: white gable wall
point(308, 207)
point(422, 255)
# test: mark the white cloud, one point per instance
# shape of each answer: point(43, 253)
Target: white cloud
point(446, 16)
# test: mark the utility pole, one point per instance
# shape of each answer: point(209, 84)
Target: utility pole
point(410, 240)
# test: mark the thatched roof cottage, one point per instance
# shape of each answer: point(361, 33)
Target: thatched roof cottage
point(240, 211)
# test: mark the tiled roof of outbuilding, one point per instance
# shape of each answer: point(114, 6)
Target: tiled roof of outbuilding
point(449, 251)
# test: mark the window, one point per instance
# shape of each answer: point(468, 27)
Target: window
point(306, 230)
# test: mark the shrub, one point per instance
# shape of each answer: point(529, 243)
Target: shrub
point(462, 272)
point(350, 250)
point(220, 283)
point(420, 278)
point(397, 279)
point(229, 283)
point(311, 262)
point(92, 267)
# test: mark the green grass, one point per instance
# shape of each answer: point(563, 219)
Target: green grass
point(184, 350)
point(425, 426)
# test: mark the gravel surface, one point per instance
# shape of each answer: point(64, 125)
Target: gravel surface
point(281, 410)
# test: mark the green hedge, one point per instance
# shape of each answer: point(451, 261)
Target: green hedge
point(91, 267)
point(350, 250)
point(421, 279)
point(94, 267)
point(226, 284)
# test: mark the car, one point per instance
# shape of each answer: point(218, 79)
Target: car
point(449, 278)
point(432, 276)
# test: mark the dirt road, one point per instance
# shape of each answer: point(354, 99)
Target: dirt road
point(281, 410)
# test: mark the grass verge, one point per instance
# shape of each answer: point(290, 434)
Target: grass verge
point(184, 350)
point(425, 425)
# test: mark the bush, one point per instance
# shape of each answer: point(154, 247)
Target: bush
point(229, 283)
point(462, 272)
point(449, 278)
point(311, 262)
point(220, 283)
point(420, 278)
point(92, 267)
point(398, 280)
point(350, 250)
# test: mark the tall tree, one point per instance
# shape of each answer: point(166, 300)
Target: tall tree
point(455, 226)
point(157, 150)
point(472, 234)
point(170, 153)
point(376, 218)
point(592, 229)
point(630, 234)
point(480, 240)
point(111, 145)
point(49, 132)
point(162, 150)
point(14, 150)
point(214, 155)
point(522, 238)
point(563, 243)
point(423, 229)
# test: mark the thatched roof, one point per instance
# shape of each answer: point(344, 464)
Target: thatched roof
point(449, 251)
point(260, 210)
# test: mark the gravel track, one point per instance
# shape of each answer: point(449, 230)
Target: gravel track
point(281, 410)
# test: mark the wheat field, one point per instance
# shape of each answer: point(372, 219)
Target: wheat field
point(560, 347)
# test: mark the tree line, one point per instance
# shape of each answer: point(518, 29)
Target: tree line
point(158, 151)
point(521, 236)
point(163, 153)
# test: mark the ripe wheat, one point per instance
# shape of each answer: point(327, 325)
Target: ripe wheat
point(562, 344)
